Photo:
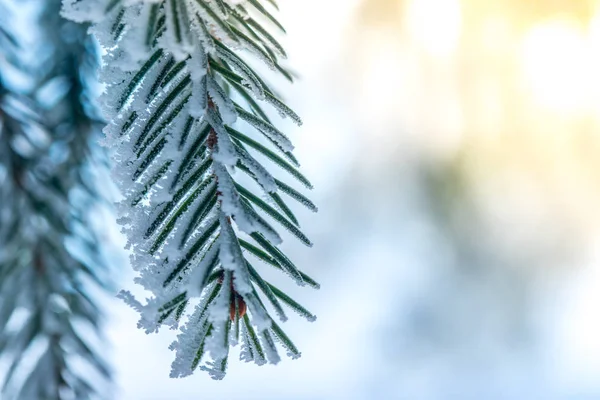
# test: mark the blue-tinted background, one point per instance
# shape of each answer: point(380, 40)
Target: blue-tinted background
point(454, 146)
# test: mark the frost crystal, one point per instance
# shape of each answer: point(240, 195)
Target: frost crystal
point(172, 70)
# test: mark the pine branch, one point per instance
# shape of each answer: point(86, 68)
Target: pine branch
point(46, 154)
point(185, 109)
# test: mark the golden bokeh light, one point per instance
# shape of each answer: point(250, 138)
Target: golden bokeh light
point(435, 25)
point(558, 64)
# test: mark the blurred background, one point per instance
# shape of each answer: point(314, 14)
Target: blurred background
point(455, 150)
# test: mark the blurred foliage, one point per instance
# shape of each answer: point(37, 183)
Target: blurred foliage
point(51, 266)
point(492, 147)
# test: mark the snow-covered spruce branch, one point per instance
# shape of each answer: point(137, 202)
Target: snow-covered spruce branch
point(46, 152)
point(178, 94)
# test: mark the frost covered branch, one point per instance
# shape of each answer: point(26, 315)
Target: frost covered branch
point(46, 152)
point(185, 110)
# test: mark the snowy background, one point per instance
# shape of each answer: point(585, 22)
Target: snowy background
point(454, 149)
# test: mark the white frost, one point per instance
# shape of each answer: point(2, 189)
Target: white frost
point(158, 101)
